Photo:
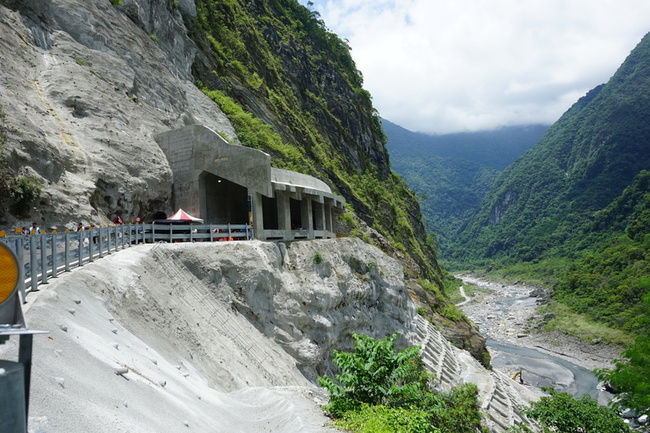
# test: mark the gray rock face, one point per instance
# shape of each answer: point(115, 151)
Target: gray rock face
point(309, 297)
point(85, 103)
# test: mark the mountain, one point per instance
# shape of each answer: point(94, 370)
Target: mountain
point(451, 173)
point(495, 149)
point(581, 165)
point(573, 211)
point(86, 85)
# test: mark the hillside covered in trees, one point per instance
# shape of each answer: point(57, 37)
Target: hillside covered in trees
point(452, 172)
point(574, 210)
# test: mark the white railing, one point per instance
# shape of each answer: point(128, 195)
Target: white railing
point(45, 255)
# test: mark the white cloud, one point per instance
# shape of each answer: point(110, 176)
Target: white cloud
point(442, 66)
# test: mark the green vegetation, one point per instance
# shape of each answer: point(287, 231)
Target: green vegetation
point(17, 193)
point(381, 390)
point(631, 374)
point(581, 326)
point(563, 413)
point(318, 258)
point(574, 212)
point(290, 88)
point(451, 173)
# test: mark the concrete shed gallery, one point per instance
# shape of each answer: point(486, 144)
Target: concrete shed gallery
point(224, 183)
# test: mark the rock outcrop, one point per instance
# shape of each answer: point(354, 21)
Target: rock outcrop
point(85, 87)
point(199, 328)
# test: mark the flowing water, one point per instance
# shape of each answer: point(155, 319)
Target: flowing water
point(502, 315)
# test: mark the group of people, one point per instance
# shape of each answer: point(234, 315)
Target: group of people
point(118, 220)
point(35, 229)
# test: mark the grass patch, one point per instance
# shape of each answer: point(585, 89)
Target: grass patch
point(452, 290)
point(579, 326)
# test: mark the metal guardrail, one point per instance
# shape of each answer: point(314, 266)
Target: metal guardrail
point(45, 255)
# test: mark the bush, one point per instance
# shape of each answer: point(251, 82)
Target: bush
point(383, 419)
point(18, 191)
point(375, 374)
point(562, 413)
point(382, 391)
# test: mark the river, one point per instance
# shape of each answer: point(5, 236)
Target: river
point(503, 314)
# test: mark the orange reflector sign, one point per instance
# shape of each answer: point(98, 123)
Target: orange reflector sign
point(8, 272)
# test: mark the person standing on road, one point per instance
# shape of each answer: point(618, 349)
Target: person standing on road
point(35, 230)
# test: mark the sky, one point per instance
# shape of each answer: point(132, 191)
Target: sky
point(444, 66)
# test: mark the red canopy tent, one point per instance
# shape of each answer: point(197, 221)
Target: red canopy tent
point(182, 216)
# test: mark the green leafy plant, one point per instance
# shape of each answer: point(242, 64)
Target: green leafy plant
point(375, 374)
point(18, 191)
point(384, 419)
point(631, 374)
point(380, 390)
point(24, 190)
point(563, 413)
point(318, 258)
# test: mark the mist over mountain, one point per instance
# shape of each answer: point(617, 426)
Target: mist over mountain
point(496, 148)
point(574, 212)
point(451, 173)
point(583, 163)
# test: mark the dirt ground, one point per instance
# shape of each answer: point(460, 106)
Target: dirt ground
point(511, 325)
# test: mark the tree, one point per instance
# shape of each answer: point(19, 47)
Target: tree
point(19, 192)
point(631, 376)
point(375, 374)
point(562, 413)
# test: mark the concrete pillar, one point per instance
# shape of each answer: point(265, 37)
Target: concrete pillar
point(327, 210)
point(306, 216)
point(319, 215)
point(284, 214)
point(258, 215)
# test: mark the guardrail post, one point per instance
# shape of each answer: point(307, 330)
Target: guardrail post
point(55, 272)
point(43, 242)
point(100, 243)
point(91, 242)
point(66, 237)
point(33, 263)
point(80, 247)
point(20, 255)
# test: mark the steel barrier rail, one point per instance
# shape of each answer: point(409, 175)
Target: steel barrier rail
point(45, 255)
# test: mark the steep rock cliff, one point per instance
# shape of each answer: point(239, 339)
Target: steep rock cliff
point(86, 84)
point(84, 90)
point(224, 336)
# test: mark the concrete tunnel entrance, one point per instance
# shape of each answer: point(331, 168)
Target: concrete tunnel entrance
point(222, 201)
point(224, 183)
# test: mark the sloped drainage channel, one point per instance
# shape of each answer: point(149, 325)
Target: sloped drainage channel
point(501, 316)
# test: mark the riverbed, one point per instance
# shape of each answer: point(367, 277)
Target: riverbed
point(504, 313)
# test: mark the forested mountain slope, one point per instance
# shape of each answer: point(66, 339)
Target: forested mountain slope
point(573, 212)
point(496, 148)
point(451, 173)
point(85, 85)
point(543, 202)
